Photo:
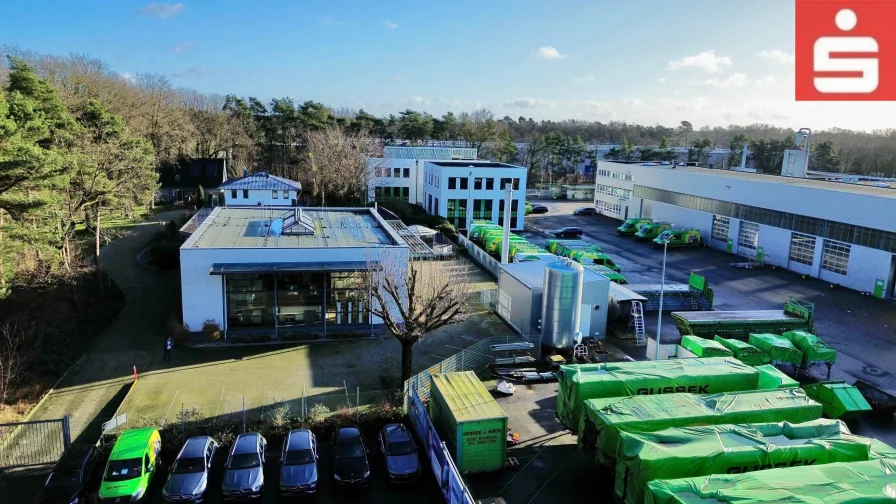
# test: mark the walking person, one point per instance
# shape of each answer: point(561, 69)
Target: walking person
point(166, 357)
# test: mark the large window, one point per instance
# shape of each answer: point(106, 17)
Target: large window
point(345, 301)
point(608, 208)
point(300, 298)
point(391, 193)
point(720, 227)
point(620, 193)
point(748, 237)
point(848, 233)
point(835, 257)
point(482, 209)
point(250, 300)
point(457, 208)
point(802, 248)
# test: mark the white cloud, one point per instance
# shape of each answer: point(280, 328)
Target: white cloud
point(781, 57)
point(198, 71)
point(528, 103)
point(661, 80)
point(419, 100)
point(179, 48)
point(129, 77)
point(584, 78)
point(733, 81)
point(163, 10)
point(399, 78)
point(390, 25)
point(549, 53)
point(330, 21)
point(767, 81)
point(706, 61)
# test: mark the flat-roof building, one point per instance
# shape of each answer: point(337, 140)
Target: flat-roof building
point(842, 233)
point(398, 174)
point(280, 270)
point(464, 190)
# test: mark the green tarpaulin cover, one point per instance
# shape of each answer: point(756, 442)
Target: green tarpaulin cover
point(604, 419)
point(869, 482)
point(686, 452)
point(773, 378)
point(779, 348)
point(702, 347)
point(577, 383)
point(839, 399)
point(744, 352)
point(814, 350)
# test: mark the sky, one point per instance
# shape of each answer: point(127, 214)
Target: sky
point(710, 62)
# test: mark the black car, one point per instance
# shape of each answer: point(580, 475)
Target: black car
point(190, 471)
point(585, 211)
point(350, 465)
point(244, 474)
point(568, 232)
point(400, 452)
point(71, 477)
point(539, 209)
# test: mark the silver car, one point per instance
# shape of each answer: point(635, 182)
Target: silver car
point(298, 464)
point(190, 471)
point(244, 472)
point(400, 452)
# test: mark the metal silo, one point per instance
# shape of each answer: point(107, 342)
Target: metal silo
point(561, 307)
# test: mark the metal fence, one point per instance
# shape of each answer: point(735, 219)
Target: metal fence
point(38, 442)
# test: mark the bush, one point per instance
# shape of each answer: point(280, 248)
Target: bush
point(211, 330)
point(390, 371)
point(318, 413)
point(179, 333)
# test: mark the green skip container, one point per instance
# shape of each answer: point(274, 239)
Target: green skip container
point(469, 421)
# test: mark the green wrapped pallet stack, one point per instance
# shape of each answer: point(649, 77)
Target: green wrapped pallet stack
point(578, 383)
point(772, 378)
point(604, 419)
point(744, 352)
point(814, 350)
point(687, 452)
point(869, 482)
point(838, 399)
point(778, 348)
point(702, 347)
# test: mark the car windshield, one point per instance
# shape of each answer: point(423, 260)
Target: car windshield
point(244, 461)
point(402, 448)
point(188, 465)
point(350, 450)
point(299, 457)
point(64, 477)
point(665, 235)
point(120, 470)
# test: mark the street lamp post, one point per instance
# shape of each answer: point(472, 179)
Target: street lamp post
point(469, 202)
point(659, 320)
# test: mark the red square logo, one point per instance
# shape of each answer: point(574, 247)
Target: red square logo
point(845, 50)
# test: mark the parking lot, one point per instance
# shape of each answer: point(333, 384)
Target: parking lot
point(552, 469)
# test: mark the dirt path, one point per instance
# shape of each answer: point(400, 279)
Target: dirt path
point(89, 386)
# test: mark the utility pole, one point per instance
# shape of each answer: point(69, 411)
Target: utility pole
point(505, 242)
point(659, 319)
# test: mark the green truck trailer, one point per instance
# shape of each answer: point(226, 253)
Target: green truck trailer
point(687, 452)
point(580, 382)
point(469, 421)
point(651, 230)
point(604, 419)
point(631, 226)
point(797, 315)
point(867, 482)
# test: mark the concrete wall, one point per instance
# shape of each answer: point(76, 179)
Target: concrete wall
point(202, 294)
point(518, 305)
point(258, 197)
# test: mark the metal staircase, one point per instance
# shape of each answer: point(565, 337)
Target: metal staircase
point(638, 324)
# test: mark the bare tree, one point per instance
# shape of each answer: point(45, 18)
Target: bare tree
point(12, 358)
point(335, 164)
point(415, 299)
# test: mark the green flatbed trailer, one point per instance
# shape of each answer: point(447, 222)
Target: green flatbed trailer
point(796, 316)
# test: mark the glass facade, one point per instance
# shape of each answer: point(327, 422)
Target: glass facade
point(848, 233)
point(392, 193)
point(295, 299)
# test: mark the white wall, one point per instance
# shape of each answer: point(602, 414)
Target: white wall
point(203, 295)
point(866, 265)
point(414, 183)
point(684, 218)
point(496, 194)
point(775, 243)
point(258, 196)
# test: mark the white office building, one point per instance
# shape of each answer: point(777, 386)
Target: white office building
point(260, 189)
point(279, 271)
point(398, 174)
point(462, 191)
point(842, 233)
